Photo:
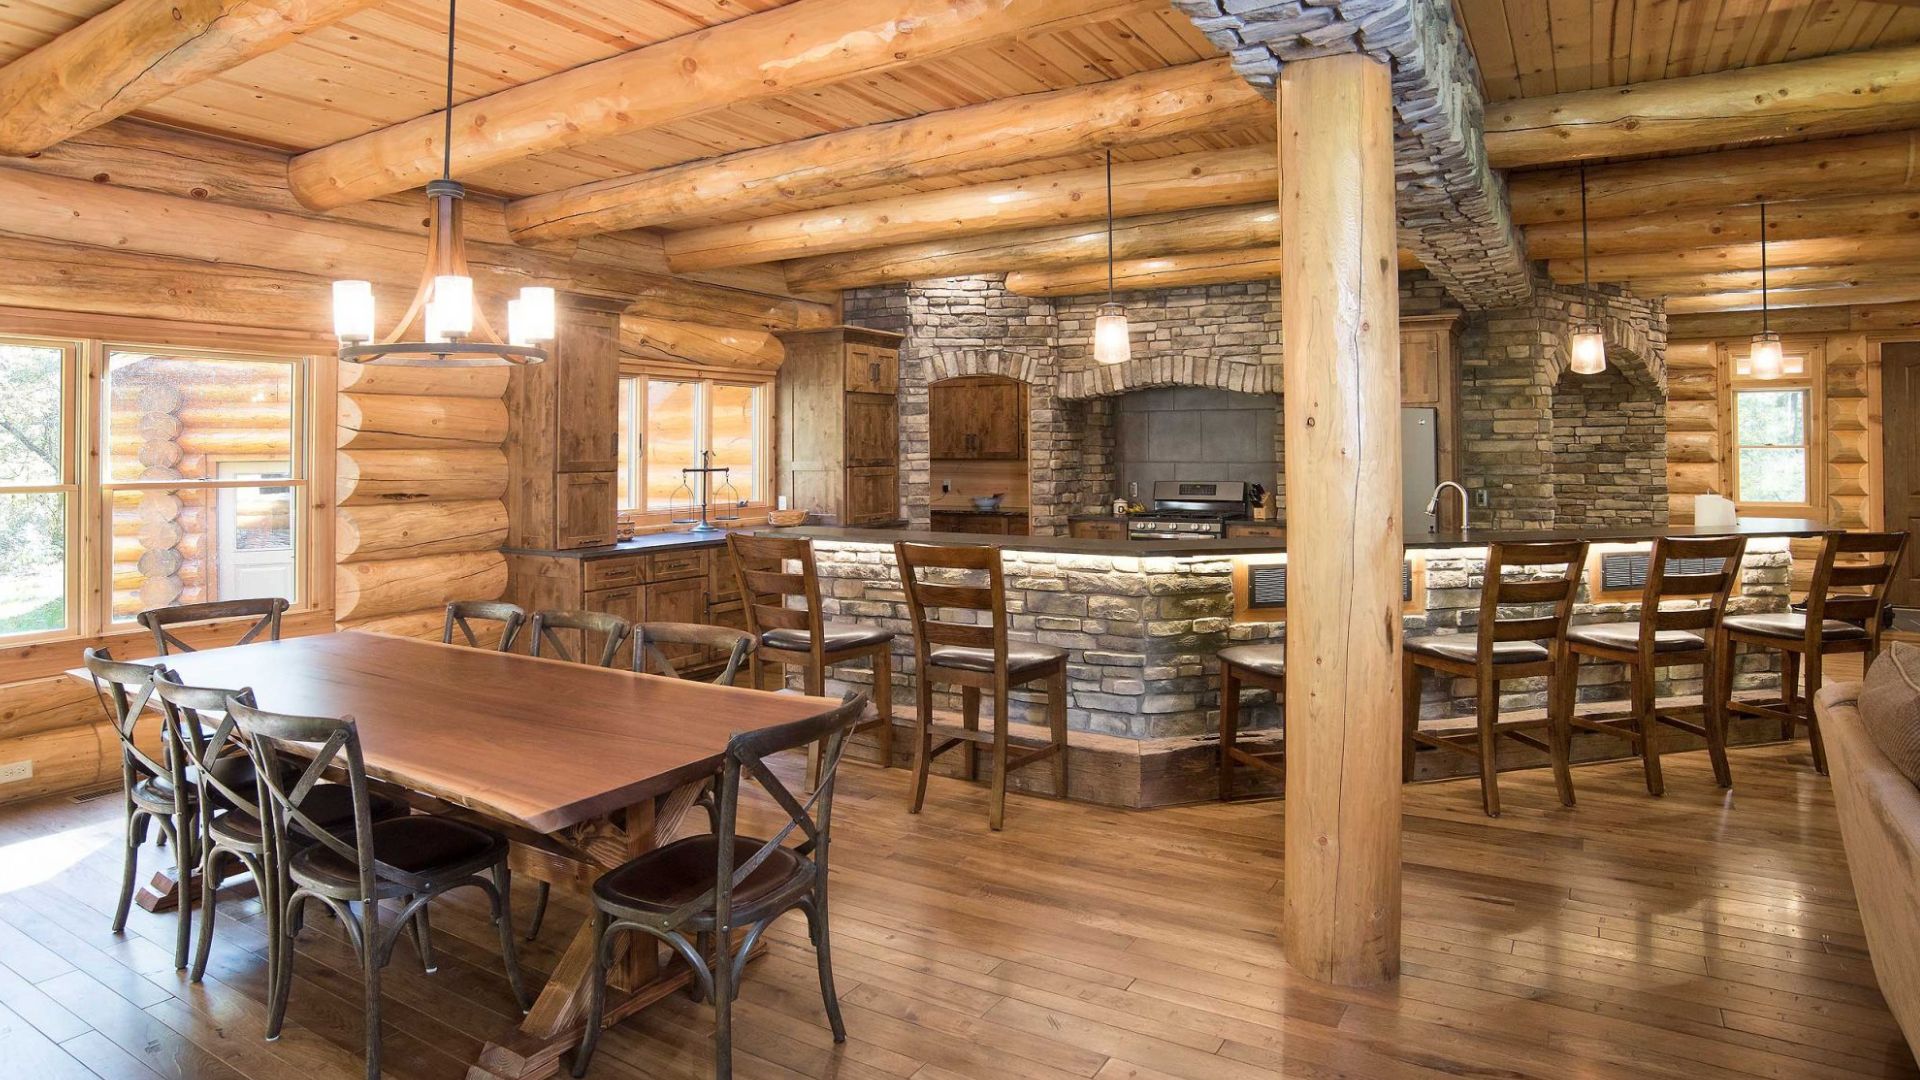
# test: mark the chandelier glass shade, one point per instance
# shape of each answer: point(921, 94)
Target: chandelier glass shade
point(1112, 337)
point(1766, 359)
point(1587, 348)
point(453, 330)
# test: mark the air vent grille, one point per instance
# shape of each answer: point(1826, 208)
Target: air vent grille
point(1628, 569)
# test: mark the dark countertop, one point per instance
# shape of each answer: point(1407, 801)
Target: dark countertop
point(1002, 511)
point(639, 545)
point(1267, 545)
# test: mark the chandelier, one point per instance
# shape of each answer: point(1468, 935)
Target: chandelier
point(454, 331)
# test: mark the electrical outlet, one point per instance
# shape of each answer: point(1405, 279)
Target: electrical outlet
point(946, 487)
point(15, 771)
point(1481, 498)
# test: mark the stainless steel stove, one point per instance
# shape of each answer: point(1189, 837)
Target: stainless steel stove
point(1191, 510)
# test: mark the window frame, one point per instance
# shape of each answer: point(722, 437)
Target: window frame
point(1808, 382)
point(90, 619)
point(632, 389)
point(72, 420)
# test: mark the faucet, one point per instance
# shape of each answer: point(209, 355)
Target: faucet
point(1434, 504)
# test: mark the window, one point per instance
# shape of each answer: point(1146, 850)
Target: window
point(1771, 451)
point(199, 491)
point(668, 420)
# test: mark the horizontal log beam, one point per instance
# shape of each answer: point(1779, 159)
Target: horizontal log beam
point(1252, 225)
point(1153, 105)
point(1798, 99)
point(374, 477)
point(427, 625)
point(1817, 251)
point(1778, 277)
point(1160, 272)
point(663, 297)
point(1866, 215)
point(392, 422)
point(781, 51)
point(363, 590)
point(1886, 291)
point(1856, 165)
point(1183, 182)
point(1868, 318)
point(474, 382)
point(696, 343)
point(139, 51)
point(385, 531)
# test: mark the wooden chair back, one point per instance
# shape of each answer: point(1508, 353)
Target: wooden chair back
point(289, 779)
point(648, 637)
point(1674, 573)
point(124, 690)
point(613, 628)
point(767, 586)
point(1560, 590)
point(187, 710)
point(265, 611)
point(510, 617)
point(1854, 590)
point(953, 585)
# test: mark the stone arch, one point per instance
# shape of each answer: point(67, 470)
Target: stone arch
point(1150, 372)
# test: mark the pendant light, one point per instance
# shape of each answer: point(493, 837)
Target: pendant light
point(1112, 339)
point(1765, 358)
point(454, 331)
point(1588, 346)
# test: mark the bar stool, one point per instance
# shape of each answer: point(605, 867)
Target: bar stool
point(976, 657)
point(1678, 569)
point(800, 636)
point(1835, 622)
point(1505, 648)
point(1261, 666)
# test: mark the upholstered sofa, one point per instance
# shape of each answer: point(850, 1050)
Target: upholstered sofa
point(1880, 826)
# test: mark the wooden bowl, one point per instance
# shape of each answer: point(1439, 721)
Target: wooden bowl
point(783, 518)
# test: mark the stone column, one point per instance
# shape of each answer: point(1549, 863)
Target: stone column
point(1340, 311)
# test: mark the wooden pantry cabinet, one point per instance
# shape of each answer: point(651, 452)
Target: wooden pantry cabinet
point(977, 418)
point(839, 438)
point(563, 433)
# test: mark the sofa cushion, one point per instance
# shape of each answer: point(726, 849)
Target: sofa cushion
point(1890, 707)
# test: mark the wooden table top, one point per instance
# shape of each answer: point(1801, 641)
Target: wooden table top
point(537, 742)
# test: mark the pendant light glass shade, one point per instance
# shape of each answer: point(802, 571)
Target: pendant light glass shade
point(353, 312)
point(1766, 358)
point(1589, 349)
point(453, 295)
point(1112, 339)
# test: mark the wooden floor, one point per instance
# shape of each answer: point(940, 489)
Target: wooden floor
point(1700, 936)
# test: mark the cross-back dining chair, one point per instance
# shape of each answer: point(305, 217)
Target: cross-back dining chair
point(462, 614)
point(265, 611)
point(612, 629)
point(695, 894)
point(413, 859)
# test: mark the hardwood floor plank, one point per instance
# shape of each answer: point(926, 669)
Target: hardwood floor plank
point(28, 1053)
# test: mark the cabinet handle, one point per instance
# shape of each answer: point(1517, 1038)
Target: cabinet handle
point(873, 372)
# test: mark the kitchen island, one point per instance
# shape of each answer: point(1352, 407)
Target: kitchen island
point(1143, 620)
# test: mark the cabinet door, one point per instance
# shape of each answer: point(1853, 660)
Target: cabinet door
point(1420, 367)
point(583, 510)
point(587, 417)
point(960, 521)
point(1098, 530)
point(1000, 419)
point(873, 430)
point(733, 616)
point(872, 496)
point(629, 604)
point(949, 406)
point(682, 601)
point(872, 369)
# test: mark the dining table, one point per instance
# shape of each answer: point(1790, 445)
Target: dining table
point(582, 767)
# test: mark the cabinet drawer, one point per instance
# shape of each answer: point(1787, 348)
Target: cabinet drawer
point(612, 573)
point(669, 565)
point(1099, 530)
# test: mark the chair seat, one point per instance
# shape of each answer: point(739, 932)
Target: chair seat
point(838, 636)
point(329, 804)
point(1269, 660)
point(663, 880)
point(1626, 635)
point(1465, 649)
point(1793, 626)
point(157, 791)
point(1021, 656)
point(428, 850)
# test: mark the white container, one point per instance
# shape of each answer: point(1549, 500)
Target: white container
point(1712, 512)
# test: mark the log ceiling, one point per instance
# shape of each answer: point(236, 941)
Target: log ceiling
point(839, 143)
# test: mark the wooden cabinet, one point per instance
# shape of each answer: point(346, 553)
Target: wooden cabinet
point(684, 601)
point(839, 437)
point(1114, 529)
point(689, 585)
point(977, 418)
point(1257, 528)
point(969, 521)
point(563, 433)
point(629, 603)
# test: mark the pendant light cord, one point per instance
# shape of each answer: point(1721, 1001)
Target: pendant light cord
point(1764, 326)
point(1586, 260)
point(446, 138)
point(1109, 224)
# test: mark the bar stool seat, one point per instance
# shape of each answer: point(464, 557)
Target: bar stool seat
point(837, 636)
point(1465, 649)
point(1625, 636)
point(1793, 626)
point(1022, 656)
point(1268, 660)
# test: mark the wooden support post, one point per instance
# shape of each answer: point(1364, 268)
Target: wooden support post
point(1340, 315)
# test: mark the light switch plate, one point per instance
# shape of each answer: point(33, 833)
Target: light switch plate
point(15, 771)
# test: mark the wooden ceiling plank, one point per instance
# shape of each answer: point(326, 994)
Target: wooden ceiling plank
point(1571, 23)
point(1800, 99)
point(137, 52)
point(1851, 275)
point(1486, 22)
point(1155, 105)
point(1652, 40)
point(790, 49)
point(1215, 178)
point(1532, 32)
